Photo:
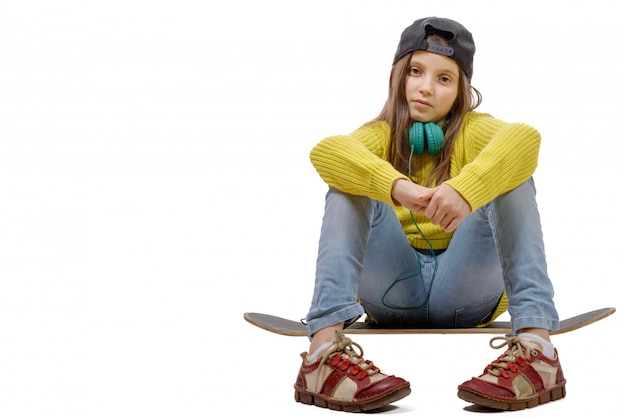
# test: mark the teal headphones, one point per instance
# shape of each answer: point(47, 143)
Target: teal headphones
point(426, 136)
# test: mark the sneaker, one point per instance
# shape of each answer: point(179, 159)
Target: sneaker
point(342, 380)
point(520, 378)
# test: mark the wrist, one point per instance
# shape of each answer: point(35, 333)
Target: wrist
point(396, 189)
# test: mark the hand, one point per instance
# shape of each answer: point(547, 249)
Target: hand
point(446, 207)
point(410, 195)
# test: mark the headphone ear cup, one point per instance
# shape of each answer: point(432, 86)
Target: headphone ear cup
point(434, 137)
point(416, 138)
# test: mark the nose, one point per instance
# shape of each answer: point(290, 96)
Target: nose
point(426, 85)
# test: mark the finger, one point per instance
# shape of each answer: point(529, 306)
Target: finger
point(452, 225)
point(431, 211)
point(438, 217)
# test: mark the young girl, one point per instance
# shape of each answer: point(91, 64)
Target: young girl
point(431, 221)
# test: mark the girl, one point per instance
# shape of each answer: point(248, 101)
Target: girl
point(431, 221)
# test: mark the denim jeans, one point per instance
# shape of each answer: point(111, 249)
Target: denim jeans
point(366, 264)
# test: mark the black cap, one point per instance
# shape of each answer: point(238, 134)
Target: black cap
point(461, 43)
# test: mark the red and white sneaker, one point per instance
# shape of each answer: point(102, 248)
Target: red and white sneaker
point(342, 380)
point(520, 378)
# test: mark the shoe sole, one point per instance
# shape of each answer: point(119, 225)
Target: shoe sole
point(554, 394)
point(309, 398)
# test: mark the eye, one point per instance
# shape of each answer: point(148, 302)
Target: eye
point(414, 71)
point(445, 79)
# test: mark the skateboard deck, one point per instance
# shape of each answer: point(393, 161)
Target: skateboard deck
point(292, 328)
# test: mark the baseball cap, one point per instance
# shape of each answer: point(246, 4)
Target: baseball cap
point(461, 46)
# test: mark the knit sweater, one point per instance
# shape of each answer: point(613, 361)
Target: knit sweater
point(490, 157)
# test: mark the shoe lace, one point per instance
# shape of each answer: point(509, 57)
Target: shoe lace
point(517, 355)
point(341, 354)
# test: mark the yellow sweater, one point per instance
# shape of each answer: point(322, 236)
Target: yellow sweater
point(490, 157)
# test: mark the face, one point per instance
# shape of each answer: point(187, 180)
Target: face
point(432, 86)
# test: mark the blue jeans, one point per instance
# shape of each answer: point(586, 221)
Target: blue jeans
point(364, 256)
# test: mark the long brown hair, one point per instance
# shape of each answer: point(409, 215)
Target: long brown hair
point(396, 113)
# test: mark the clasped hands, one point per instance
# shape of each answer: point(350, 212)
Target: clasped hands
point(443, 205)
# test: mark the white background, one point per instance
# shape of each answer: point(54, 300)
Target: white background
point(155, 185)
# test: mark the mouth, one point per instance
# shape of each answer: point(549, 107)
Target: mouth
point(422, 103)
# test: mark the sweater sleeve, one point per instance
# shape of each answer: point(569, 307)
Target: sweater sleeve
point(499, 157)
point(356, 163)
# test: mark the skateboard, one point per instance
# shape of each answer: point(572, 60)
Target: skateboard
point(292, 328)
